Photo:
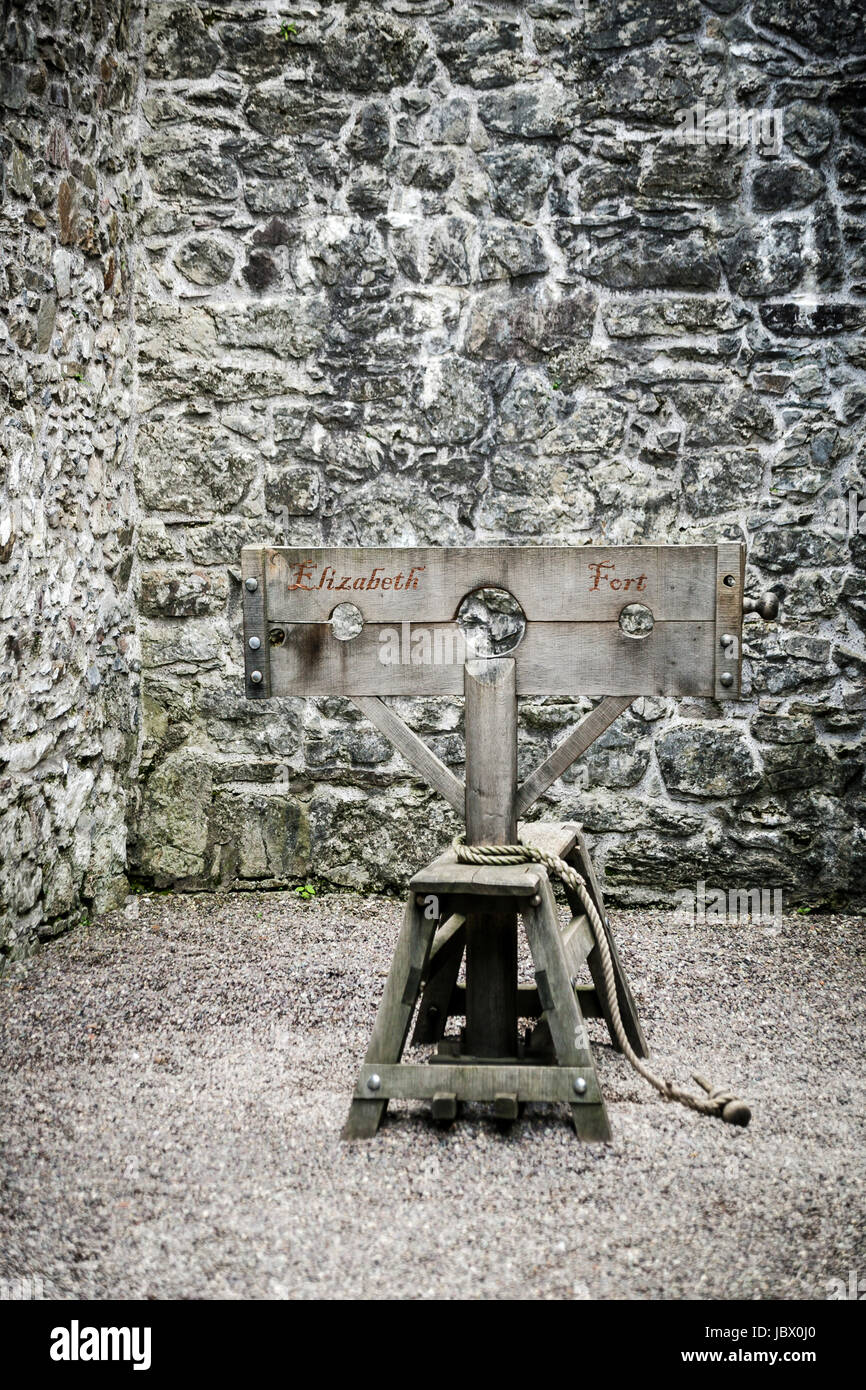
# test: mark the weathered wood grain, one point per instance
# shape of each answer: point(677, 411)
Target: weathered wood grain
point(444, 1107)
point(562, 1010)
point(491, 751)
point(443, 968)
point(445, 876)
point(577, 942)
point(529, 1004)
point(466, 1081)
point(731, 564)
point(450, 928)
point(491, 783)
point(255, 625)
point(676, 658)
point(551, 583)
point(413, 749)
point(393, 1017)
point(587, 731)
point(506, 1106)
point(554, 837)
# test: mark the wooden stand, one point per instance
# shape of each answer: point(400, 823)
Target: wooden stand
point(454, 908)
point(612, 621)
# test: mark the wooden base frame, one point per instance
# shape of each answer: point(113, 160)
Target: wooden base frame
point(555, 1063)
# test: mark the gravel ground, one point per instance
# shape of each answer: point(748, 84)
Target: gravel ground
point(176, 1077)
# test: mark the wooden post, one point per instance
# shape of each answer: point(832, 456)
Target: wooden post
point(491, 786)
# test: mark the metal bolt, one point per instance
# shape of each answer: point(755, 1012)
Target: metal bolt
point(255, 643)
point(420, 899)
point(256, 677)
point(726, 639)
point(726, 678)
point(535, 900)
point(375, 1081)
point(579, 1086)
point(251, 585)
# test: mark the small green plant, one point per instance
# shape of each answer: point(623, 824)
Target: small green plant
point(288, 30)
point(555, 385)
point(803, 911)
point(306, 892)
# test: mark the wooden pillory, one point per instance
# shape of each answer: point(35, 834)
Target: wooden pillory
point(580, 637)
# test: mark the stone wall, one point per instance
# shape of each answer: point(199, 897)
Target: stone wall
point(69, 697)
point(441, 273)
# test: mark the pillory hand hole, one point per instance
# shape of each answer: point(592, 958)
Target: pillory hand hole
point(492, 622)
point(346, 621)
point(636, 620)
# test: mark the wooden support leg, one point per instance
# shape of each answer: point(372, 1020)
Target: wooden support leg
point(391, 1028)
point(562, 1010)
point(439, 988)
point(581, 860)
point(593, 961)
point(491, 982)
point(491, 783)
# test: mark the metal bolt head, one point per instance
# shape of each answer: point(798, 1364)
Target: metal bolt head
point(579, 1086)
point(251, 585)
point(535, 900)
point(726, 639)
point(726, 678)
point(256, 677)
point(374, 1082)
point(254, 643)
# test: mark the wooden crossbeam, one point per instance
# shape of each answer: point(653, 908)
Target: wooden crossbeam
point(443, 780)
point(552, 584)
point(528, 1002)
point(592, 658)
point(480, 1081)
point(414, 750)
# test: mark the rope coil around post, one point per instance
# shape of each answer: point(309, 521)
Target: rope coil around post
point(719, 1100)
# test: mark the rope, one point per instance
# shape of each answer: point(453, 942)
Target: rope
point(719, 1100)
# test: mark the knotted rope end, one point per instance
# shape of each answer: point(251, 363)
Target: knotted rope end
point(726, 1105)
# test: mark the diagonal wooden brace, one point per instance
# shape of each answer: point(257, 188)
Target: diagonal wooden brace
point(587, 731)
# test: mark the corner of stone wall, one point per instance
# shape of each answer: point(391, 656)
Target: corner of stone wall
point(69, 648)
